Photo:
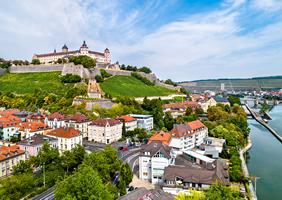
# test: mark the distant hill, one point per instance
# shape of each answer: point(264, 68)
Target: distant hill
point(270, 82)
point(131, 86)
point(23, 83)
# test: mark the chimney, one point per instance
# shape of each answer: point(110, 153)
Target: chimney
point(206, 97)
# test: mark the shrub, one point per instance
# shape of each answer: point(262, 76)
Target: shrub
point(69, 78)
point(105, 74)
point(143, 79)
point(99, 79)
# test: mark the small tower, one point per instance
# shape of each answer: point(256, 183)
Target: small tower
point(65, 48)
point(206, 97)
point(84, 49)
point(54, 50)
point(107, 55)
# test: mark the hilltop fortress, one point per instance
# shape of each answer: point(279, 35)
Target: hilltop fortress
point(83, 50)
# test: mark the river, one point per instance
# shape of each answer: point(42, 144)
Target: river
point(264, 159)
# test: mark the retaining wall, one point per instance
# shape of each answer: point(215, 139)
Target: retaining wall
point(36, 68)
point(104, 103)
point(2, 71)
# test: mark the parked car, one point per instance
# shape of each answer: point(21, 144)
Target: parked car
point(131, 188)
point(138, 144)
point(120, 148)
point(125, 149)
point(131, 144)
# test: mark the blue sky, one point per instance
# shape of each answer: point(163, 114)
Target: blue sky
point(181, 40)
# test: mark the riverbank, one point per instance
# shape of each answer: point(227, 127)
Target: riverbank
point(245, 169)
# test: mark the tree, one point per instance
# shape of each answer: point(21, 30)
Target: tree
point(86, 185)
point(235, 108)
point(59, 60)
point(179, 120)
point(113, 190)
point(142, 134)
point(161, 124)
point(16, 62)
point(70, 78)
point(220, 105)
point(84, 60)
point(189, 110)
point(184, 91)
point(217, 191)
point(123, 128)
point(104, 73)
point(215, 113)
point(224, 152)
point(168, 120)
point(199, 111)
point(170, 82)
point(227, 108)
point(99, 79)
point(123, 67)
point(122, 187)
point(35, 62)
point(145, 70)
point(194, 195)
point(5, 64)
point(24, 167)
point(126, 173)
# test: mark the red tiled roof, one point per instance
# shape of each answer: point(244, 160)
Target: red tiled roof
point(161, 136)
point(94, 52)
point(174, 105)
point(33, 126)
point(36, 139)
point(9, 111)
point(103, 122)
point(55, 54)
point(79, 118)
point(126, 118)
point(65, 132)
point(182, 130)
point(10, 150)
point(59, 116)
point(9, 121)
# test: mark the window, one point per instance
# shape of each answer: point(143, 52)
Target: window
point(8, 171)
point(72, 146)
point(193, 185)
point(158, 171)
point(145, 161)
point(159, 155)
point(201, 162)
point(21, 157)
point(74, 139)
point(61, 146)
point(17, 160)
point(2, 165)
point(12, 161)
point(3, 172)
point(66, 146)
point(65, 140)
point(71, 140)
point(145, 174)
point(170, 182)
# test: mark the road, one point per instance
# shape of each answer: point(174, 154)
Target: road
point(129, 156)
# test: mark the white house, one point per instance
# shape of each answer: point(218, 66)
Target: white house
point(79, 122)
point(144, 121)
point(56, 120)
point(130, 122)
point(68, 138)
point(153, 160)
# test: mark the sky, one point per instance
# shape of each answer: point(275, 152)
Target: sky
point(177, 39)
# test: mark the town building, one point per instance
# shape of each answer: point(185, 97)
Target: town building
point(188, 135)
point(56, 120)
point(93, 90)
point(83, 50)
point(197, 158)
point(212, 101)
point(23, 115)
point(181, 178)
point(161, 136)
point(144, 121)
point(33, 144)
point(153, 160)
point(130, 122)
point(29, 129)
point(36, 117)
point(80, 123)
point(7, 125)
point(9, 157)
point(143, 193)
point(8, 112)
point(180, 107)
point(68, 138)
point(105, 130)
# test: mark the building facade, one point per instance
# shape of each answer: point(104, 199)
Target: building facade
point(7, 125)
point(105, 130)
point(212, 101)
point(56, 120)
point(83, 50)
point(36, 117)
point(68, 138)
point(144, 121)
point(29, 129)
point(130, 122)
point(33, 144)
point(80, 123)
point(153, 160)
point(9, 157)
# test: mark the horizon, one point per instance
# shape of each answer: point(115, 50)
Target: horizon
point(200, 39)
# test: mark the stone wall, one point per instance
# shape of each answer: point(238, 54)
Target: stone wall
point(2, 71)
point(151, 77)
point(36, 68)
point(103, 103)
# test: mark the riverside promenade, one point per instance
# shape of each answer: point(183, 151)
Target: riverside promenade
point(260, 120)
point(245, 169)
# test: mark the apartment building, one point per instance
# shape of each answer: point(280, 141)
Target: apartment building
point(130, 122)
point(56, 120)
point(68, 138)
point(105, 130)
point(80, 123)
point(9, 157)
point(144, 121)
point(7, 125)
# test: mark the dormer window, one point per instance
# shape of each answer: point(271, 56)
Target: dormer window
point(155, 145)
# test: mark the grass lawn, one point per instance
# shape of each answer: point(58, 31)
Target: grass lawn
point(28, 87)
point(132, 87)
point(36, 76)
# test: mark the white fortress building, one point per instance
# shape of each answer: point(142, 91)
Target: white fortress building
point(83, 50)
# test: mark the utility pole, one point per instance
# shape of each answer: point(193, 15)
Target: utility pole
point(44, 173)
point(256, 178)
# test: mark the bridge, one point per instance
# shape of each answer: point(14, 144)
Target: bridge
point(256, 101)
point(262, 122)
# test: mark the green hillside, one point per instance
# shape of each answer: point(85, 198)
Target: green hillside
point(26, 82)
point(235, 84)
point(131, 86)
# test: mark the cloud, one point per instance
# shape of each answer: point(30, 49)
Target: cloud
point(268, 5)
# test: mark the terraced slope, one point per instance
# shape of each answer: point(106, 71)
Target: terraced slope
point(132, 87)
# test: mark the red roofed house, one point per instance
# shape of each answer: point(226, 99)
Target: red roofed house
point(56, 120)
point(105, 130)
point(7, 125)
point(8, 112)
point(37, 117)
point(130, 122)
point(180, 107)
point(79, 122)
point(162, 136)
point(29, 129)
point(9, 157)
point(68, 138)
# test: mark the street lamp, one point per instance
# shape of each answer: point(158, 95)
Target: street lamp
point(44, 173)
point(255, 178)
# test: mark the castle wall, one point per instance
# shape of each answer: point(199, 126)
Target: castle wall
point(36, 68)
point(90, 103)
point(2, 71)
